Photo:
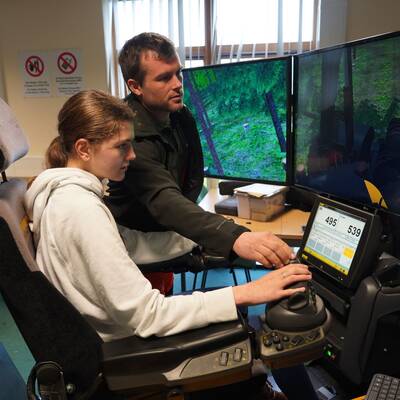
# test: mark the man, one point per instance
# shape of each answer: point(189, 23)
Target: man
point(163, 183)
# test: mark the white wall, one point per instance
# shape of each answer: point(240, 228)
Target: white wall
point(47, 25)
point(372, 17)
point(333, 18)
point(347, 20)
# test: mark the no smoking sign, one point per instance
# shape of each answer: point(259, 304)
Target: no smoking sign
point(67, 63)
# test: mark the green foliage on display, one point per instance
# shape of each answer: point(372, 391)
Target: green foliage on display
point(241, 125)
point(375, 75)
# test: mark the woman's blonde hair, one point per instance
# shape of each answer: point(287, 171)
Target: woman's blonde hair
point(90, 114)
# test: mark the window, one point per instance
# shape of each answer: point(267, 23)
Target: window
point(263, 28)
point(219, 31)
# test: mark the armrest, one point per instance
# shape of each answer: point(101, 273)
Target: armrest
point(192, 261)
point(191, 356)
point(195, 261)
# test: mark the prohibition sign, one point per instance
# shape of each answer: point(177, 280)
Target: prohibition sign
point(34, 66)
point(67, 63)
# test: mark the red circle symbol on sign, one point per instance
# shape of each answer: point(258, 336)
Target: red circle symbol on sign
point(34, 66)
point(67, 63)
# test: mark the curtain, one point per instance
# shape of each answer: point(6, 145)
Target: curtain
point(115, 81)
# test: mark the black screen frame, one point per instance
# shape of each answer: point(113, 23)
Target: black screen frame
point(367, 250)
point(289, 134)
point(295, 94)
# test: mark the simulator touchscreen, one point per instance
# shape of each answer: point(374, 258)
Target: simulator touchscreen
point(334, 237)
point(341, 242)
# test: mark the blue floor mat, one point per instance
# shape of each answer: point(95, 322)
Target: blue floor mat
point(11, 383)
point(14, 343)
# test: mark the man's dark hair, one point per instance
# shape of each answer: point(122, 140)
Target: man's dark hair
point(129, 56)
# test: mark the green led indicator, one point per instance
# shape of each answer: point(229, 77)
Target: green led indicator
point(329, 353)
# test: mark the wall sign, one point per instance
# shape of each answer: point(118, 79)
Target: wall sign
point(67, 72)
point(36, 79)
point(51, 73)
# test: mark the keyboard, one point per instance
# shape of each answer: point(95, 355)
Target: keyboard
point(384, 387)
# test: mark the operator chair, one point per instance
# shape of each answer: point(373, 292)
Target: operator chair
point(58, 336)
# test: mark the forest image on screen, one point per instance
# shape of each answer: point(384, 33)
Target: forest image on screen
point(347, 122)
point(240, 111)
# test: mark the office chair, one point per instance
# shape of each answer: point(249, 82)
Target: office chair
point(57, 335)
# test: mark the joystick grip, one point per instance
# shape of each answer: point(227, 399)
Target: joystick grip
point(299, 300)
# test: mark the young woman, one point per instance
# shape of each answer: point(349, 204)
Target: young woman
point(81, 251)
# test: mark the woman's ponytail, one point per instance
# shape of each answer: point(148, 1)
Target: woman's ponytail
point(55, 155)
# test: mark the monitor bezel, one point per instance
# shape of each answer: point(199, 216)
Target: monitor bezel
point(289, 134)
point(367, 248)
point(296, 59)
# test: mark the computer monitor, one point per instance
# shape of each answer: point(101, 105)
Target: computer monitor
point(341, 241)
point(347, 121)
point(241, 111)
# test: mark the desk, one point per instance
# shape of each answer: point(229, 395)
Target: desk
point(287, 226)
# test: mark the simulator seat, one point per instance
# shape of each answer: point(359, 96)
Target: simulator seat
point(55, 331)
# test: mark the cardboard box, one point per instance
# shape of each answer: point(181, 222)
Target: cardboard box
point(260, 202)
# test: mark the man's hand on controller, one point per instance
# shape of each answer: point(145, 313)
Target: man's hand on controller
point(264, 247)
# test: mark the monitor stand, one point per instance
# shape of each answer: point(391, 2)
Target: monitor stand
point(227, 187)
point(229, 206)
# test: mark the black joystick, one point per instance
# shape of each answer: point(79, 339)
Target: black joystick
point(299, 312)
point(298, 300)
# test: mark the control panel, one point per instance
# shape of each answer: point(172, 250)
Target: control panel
point(283, 349)
point(232, 357)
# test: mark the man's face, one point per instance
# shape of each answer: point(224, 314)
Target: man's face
point(161, 91)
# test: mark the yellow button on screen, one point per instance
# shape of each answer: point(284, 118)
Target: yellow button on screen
point(348, 252)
